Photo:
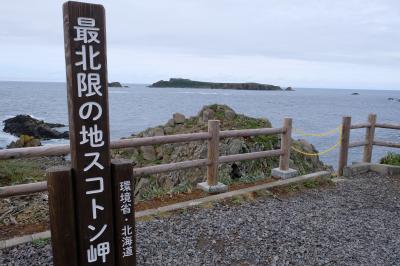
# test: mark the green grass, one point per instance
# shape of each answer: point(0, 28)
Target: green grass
point(246, 179)
point(268, 142)
point(41, 242)
point(155, 191)
point(237, 200)
point(20, 171)
point(293, 188)
point(243, 122)
point(391, 158)
point(310, 184)
point(191, 122)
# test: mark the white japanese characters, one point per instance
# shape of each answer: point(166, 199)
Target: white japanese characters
point(126, 198)
point(91, 135)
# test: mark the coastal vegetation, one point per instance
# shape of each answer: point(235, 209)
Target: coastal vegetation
point(31, 170)
point(244, 172)
point(187, 83)
point(391, 158)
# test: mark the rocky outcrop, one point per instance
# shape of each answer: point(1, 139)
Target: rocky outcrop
point(394, 99)
point(355, 93)
point(27, 125)
point(167, 153)
point(289, 89)
point(187, 83)
point(115, 84)
point(178, 118)
point(24, 141)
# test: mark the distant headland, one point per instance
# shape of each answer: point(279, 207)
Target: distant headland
point(187, 83)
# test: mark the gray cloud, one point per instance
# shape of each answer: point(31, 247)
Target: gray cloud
point(317, 43)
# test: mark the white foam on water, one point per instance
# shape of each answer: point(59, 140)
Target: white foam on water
point(118, 92)
point(55, 141)
point(203, 93)
point(6, 139)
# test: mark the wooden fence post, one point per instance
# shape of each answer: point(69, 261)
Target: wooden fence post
point(213, 152)
point(62, 216)
point(124, 212)
point(344, 144)
point(369, 138)
point(286, 139)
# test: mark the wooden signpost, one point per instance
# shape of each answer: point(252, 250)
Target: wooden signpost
point(99, 226)
point(85, 53)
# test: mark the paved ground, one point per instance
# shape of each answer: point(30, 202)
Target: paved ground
point(355, 223)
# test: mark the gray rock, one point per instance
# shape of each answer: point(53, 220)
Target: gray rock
point(149, 153)
point(27, 125)
point(170, 123)
point(158, 131)
point(169, 130)
point(230, 115)
point(179, 118)
point(235, 146)
point(307, 146)
point(140, 186)
point(24, 141)
point(207, 114)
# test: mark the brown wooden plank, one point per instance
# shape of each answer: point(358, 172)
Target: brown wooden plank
point(22, 189)
point(62, 216)
point(356, 144)
point(85, 53)
point(360, 125)
point(155, 169)
point(344, 144)
point(388, 126)
point(249, 132)
point(286, 142)
point(56, 150)
point(389, 144)
point(213, 152)
point(369, 138)
point(249, 156)
point(124, 212)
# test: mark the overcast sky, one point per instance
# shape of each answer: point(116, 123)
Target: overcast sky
point(308, 43)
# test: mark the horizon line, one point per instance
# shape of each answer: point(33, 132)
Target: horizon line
point(145, 83)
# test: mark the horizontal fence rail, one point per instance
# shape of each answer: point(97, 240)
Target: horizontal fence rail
point(60, 150)
point(369, 141)
point(162, 168)
point(249, 156)
point(23, 189)
point(250, 132)
point(360, 125)
point(390, 126)
point(356, 144)
point(386, 144)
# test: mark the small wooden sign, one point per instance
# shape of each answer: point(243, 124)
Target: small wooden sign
point(124, 212)
point(85, 53)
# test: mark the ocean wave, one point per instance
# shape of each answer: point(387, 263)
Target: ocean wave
point(5, 117)
point(203, 93)
point(118, 92)
point(6, 139)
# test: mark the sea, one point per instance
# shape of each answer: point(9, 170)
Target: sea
point(138, 107)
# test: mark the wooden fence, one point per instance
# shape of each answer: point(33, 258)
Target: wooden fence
point(367, 143)
point(211, 162)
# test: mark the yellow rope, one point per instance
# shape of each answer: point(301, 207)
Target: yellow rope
point(324, 151)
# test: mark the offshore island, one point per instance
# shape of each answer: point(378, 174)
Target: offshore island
point(187, 83)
